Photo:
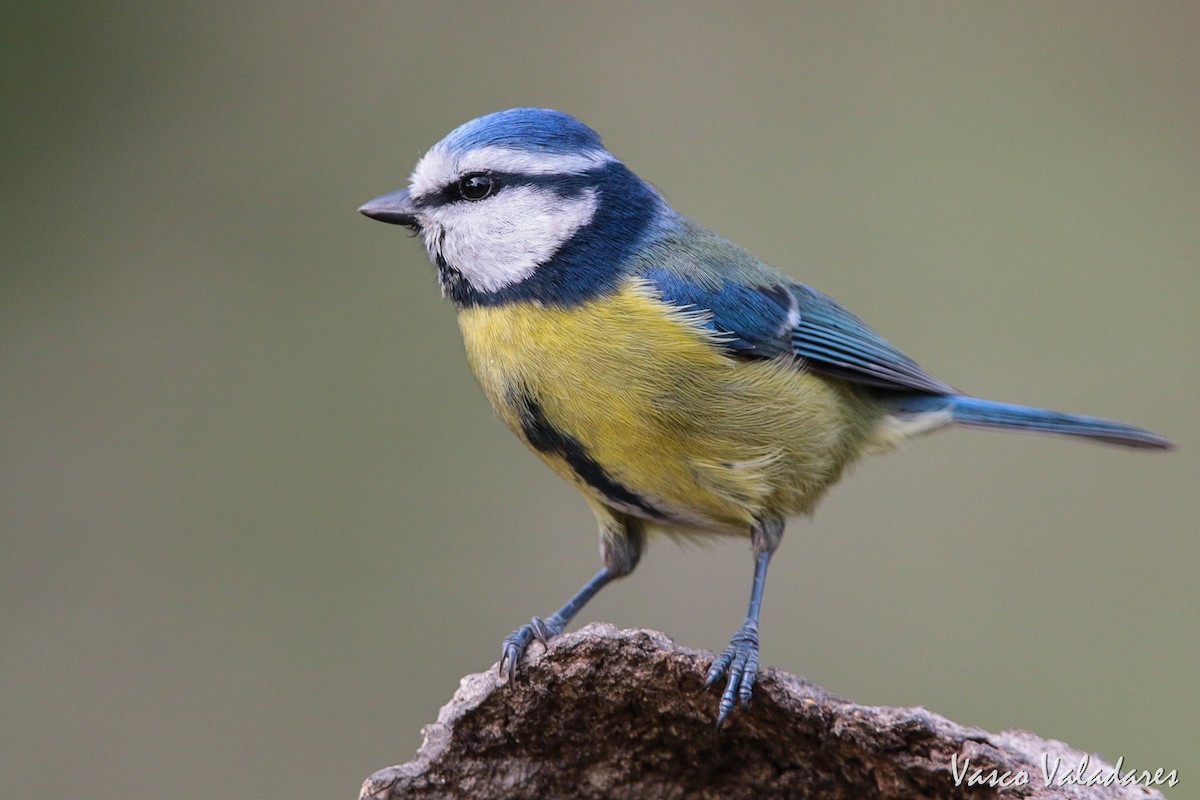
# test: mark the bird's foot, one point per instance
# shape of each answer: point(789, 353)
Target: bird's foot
point(740, 661)
point(515, 643)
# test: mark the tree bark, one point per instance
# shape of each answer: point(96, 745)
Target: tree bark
point(604, 713)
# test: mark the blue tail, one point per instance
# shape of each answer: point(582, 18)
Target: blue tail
point(991, 414)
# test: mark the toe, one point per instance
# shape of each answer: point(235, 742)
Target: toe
point(749, 673)
point(739, 665)
point(542, 631)
point(719, 665)
point(511, 650)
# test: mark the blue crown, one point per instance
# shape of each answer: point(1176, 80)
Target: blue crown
point(537, 129)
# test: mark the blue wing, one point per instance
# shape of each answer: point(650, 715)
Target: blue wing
point(773, 318)
point(834, 340)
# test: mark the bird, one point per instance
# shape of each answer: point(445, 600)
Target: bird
point(679, 383)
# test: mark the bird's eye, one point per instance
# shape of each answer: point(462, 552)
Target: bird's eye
point(477, 186)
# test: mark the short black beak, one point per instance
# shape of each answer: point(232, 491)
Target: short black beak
point(394, 207)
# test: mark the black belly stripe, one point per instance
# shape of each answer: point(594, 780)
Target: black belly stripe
point(545, 438)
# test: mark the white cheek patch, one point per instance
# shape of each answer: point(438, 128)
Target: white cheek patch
point(500, 241)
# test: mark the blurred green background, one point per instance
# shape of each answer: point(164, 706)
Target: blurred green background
point(256, 520)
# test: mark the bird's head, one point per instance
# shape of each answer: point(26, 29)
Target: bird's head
point(523, 204)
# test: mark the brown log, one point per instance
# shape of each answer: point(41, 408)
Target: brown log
point(606, 713)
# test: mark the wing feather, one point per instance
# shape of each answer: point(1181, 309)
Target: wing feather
point(773, 318)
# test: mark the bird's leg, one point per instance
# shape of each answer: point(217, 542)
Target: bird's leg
point(740, 659)
point(621, 541)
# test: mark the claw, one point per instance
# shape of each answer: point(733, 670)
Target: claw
point(517, 642)
point(719, 665)
point(511, 650)
point(740, 663)
point(544, 630)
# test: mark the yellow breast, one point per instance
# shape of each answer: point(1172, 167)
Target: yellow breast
point(632, 400)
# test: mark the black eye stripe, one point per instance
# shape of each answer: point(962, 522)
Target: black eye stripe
point(563, 185)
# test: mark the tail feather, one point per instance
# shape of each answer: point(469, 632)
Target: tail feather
point(982, 413)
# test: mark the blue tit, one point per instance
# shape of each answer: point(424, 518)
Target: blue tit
point(677, 381)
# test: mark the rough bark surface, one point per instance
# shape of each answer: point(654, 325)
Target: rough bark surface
point(606, 713)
